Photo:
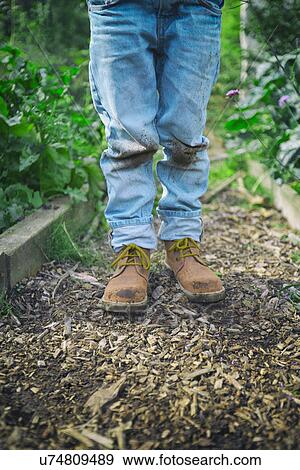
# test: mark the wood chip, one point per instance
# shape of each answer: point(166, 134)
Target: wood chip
point(102, 440)
point(197, 373)
point(75, 434)
point(104, 396)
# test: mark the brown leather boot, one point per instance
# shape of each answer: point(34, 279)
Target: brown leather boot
point(196, 280)
point(126, 290)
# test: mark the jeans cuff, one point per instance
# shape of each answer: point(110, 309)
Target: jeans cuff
point(184, 225)
point(142, 235)
point(166, 214)
point(130, 222)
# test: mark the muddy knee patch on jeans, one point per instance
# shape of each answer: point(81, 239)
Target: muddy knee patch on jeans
point(133, 151)
point(183, 154)
point(132, 161)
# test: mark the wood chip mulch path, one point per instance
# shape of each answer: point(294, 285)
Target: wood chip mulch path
point(183, 376)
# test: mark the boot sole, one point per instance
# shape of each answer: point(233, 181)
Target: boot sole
point(118, 307)
point(205, 297)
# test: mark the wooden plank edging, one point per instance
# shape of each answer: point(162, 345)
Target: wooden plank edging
point(22, 246)
point(285, 198)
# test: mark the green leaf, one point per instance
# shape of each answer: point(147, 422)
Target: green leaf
point(15, 120)
point(3, 107)
point(15, 212)
point(28, 158)
point(56, 168)
point(289, 152)
point(75, 194)
point(95, 179)
point(36, 200)
point(18, 192)
point(3, 125)
point(243, 121)
point(23, 128)
point(44, 140)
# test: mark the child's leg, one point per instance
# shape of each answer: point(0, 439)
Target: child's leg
point(123, 83)
point(185, 78)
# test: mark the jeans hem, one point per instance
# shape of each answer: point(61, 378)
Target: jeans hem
point(165, 214)
point(131, 222)
point(142, 235)
point(188, 225)
point(166, 238)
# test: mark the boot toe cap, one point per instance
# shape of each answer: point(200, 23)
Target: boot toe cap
point(208, 286)
point(124, 296)
point(202, 285)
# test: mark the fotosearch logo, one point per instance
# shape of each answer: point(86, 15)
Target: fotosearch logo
point(207, 461)
point(192, 461)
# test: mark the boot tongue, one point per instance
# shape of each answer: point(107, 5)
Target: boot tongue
point(186, 247)
point(128, 260)
point(134, 257)
point(189, 249)
point(133, 264)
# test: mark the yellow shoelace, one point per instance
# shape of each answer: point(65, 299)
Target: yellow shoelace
point(132, 255)
point(183, 246)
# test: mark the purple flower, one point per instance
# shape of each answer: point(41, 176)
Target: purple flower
point(282, 101)
point(232, 93)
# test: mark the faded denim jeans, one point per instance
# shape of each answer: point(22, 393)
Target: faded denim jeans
point(152, 67)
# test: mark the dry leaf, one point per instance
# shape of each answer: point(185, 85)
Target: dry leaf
point(85, 277)
point(103, 396)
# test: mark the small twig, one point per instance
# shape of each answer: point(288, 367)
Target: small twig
point(16, 320)
point(62, 278)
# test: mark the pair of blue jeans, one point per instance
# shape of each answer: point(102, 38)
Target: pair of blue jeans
point(152, 67)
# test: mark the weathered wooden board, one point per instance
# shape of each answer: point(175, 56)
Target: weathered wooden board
point(285, 198)
point(22, 246)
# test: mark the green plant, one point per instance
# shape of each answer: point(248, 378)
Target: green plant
point(267, 119)
point(66, 245)
point(222, 170)
point(295, 257)
point(5, 306)
point(47, 145)
point(292, 293)
point(60, 28)
point(275, 22)
point(255, 187)
point(230, 69)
